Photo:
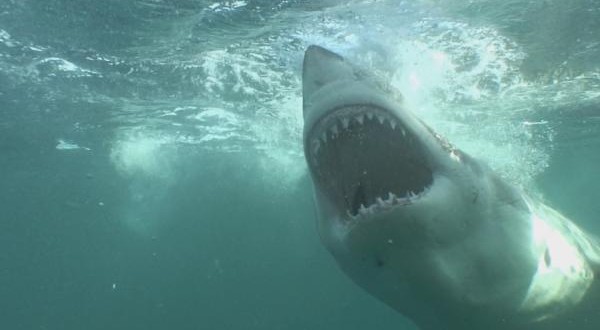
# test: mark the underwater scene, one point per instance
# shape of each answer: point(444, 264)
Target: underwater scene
point(152, 165)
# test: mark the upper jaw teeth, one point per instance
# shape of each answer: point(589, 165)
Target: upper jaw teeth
point(334, 130)
point(341, 124)
point(360, 119)
point(345, 123)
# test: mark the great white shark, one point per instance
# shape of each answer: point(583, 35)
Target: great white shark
point(428, 229)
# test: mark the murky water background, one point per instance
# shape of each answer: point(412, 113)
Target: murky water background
point(151, 164)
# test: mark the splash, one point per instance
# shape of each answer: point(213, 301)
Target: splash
point(146, 160)
point(142, 154)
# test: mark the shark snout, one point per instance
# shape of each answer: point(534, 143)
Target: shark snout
point(361, 147)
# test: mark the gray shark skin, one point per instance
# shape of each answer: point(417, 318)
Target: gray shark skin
point(429, 230)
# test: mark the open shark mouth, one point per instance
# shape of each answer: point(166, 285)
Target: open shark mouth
point(366, 161)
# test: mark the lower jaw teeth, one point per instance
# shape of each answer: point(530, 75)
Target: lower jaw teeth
point(383, 205)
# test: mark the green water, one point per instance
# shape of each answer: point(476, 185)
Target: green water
point(151, 168)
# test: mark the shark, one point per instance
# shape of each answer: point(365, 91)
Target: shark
point(428, 229)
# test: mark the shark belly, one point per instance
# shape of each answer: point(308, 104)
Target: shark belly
point(428, 229)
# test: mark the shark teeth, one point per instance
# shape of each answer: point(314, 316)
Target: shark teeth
point(345, 123)
point(383, 205)
point(338, 125)
point(391, 197)
point(334, 130)
point(363, 210)
point(360, 119)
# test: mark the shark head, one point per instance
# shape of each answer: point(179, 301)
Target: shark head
point(369, 157)
point(412, 219)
